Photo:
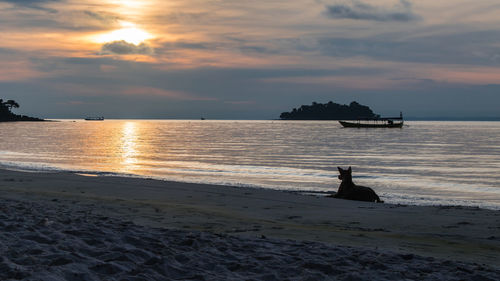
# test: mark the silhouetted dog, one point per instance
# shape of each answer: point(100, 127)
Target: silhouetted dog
point(348, 190)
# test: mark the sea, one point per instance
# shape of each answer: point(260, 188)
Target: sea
point(447, 163)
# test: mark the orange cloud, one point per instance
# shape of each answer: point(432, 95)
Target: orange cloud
point(18, 71)
point(465, 75)
point(178, 95)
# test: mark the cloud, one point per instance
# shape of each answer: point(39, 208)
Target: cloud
point(32, 4)
point(102, 17)
point(257, 49)
point(125, 48)
point(190, 45)
point(358, 10)
point(28, 2)
point(184, 17)
point(240, 102)
point(457, 47)
point(29, 16)
point(173, 94)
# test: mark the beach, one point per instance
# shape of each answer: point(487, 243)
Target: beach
point(89, 227)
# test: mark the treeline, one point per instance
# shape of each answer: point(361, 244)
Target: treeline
point(7, 115)
point(330, 111)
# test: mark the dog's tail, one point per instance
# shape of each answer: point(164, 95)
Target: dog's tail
point(377, 199)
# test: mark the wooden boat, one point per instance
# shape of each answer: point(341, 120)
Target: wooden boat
point(94, 118)
point(387, 122)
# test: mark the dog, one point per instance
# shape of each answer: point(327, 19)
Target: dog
point(348, 190)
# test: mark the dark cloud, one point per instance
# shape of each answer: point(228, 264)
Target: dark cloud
point(35, 18)
point(102, 17)
point(240, 45)
point(33, 4)
point(125, 48)
point(190, 45)
point(7, 51)
point(167, 48)
point(40, 15)
point(257, 49)
point(358, 10)
point(28, 2)
point(199, 46)
point(466, 47)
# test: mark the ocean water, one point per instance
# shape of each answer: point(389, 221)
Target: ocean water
point(424, 163)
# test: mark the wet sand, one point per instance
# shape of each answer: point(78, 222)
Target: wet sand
point(56, 210)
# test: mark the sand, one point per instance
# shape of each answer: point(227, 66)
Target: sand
point(63, 226)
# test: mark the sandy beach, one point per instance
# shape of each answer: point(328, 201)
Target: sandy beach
point(57, 226)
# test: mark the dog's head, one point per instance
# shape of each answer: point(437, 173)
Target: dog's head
point(345, 174)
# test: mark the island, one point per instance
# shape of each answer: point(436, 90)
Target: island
point(330, 111)
point(6, 114)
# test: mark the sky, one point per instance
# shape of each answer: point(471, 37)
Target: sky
point(238, 59)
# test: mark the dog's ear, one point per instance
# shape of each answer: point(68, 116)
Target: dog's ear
point(349, 170)
point(340, 169)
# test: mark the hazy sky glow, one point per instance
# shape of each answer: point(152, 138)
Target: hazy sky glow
point(249, 59)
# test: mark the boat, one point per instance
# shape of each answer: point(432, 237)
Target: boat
point(94, 118)
point(386, 122)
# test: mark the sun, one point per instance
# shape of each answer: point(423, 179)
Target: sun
point(129, 33)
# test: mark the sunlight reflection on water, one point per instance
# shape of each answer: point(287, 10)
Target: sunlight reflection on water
point(129, 146)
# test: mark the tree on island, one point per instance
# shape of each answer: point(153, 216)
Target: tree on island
point(3, 108)
point(329, 111)
point(11, 104)
point(7, 115)
point(8, 105)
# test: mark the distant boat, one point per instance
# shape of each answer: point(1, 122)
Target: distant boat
point(202, 118)
point(94, 118)
point(386, 122)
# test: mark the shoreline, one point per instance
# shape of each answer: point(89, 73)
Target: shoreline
point(455, 233)
point(44, 169)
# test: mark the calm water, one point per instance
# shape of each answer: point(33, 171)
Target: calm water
point(424, 163)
